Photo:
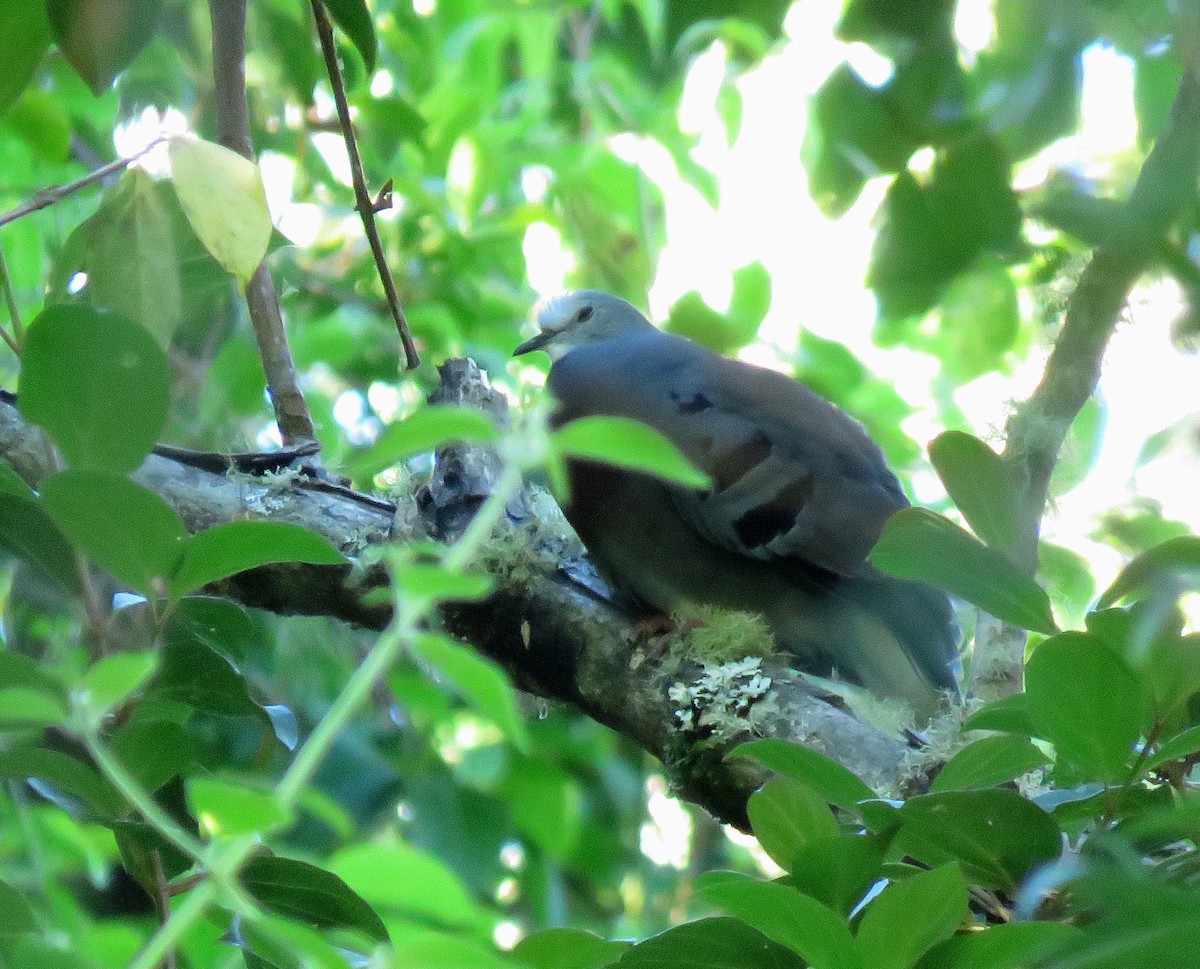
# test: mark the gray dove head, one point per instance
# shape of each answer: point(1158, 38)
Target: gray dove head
point(585, 316)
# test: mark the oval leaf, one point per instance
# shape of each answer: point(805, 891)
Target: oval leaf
point(567, 949)
point(1086, 702)
point(219, 552)
point(227, 808)
point(355, 19)
point(831, 780)
point(100, 38)
point(99, 385)
point(920, 544)
point(408, 882)
point(1012, 946)
point(481, 682)
point(909, 917)
point(309, 894)
point(129, 255)
point(1175, 562)
point(988, 762)
point(29, 533)
point(786, 815)
point(113, 679)
point(223, 197)
point(720, 943)
point(628, 444)
point(997, 836)
point(980, 485)
point(24, 38)
point(783, 915)
point(425, 430)
point(120, 525)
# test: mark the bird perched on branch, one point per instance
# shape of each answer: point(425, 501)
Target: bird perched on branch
point(799, 497)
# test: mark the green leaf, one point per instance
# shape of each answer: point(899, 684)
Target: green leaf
point(910, 916)
point(838, 871)
point(403, 880)
point(720, 943)
point(1176, 748)
point(121, 526)
point(725, 332)
point(423, 431)
point(129, 256)
point(480, 681)
point(64, 774)
point(21, 706)
point(24, 38)
point(1007, 715)
point(20, 671)
point(113, 679)
point(1014, 945)
point(193, 674)
point(751, 297)
point(997, 836)
point(786, 815)
point(1085, 701)
point(979, 321)
point(272, 942)
point(628, 444)
point(309, 894)
point(853, 134)
point(933, 230)
point(221, 625)
point(355, 19)
point(224, 550)
point(1173, 565)
point(920, 544)
point(1133, 922)
point(229, 808)
point(545, 804)
point(98, 384)
point(567, 949)
point(12, 483)
point(980, 485)
point(100, 38)
point(223, 197)
point(785, 916)
point(423, 580)
point(16, 914)
point(989, 762)
point(29, 533)
point(153, 751)
point(828, 778)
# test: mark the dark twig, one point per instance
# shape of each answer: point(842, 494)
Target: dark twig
point(233, 131)
point(162, 897)
point(366, 206)
point(14, 338)
point(1038, 427)
point(49, 196)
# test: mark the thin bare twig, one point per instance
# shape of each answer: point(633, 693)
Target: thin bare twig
point(163, 899)
point(366, 206)
point(49, 196)
point(262, 300)
point(1039, 426)
point(17, 336)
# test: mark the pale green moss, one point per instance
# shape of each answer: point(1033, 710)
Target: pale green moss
point(706, 634)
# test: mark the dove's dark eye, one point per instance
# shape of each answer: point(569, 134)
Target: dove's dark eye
point(585, 313)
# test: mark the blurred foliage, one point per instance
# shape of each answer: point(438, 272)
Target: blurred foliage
point(449, 815)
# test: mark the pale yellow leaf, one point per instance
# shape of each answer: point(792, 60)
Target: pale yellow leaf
point(223, 197)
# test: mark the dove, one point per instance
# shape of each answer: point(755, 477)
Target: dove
point(799, 496)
